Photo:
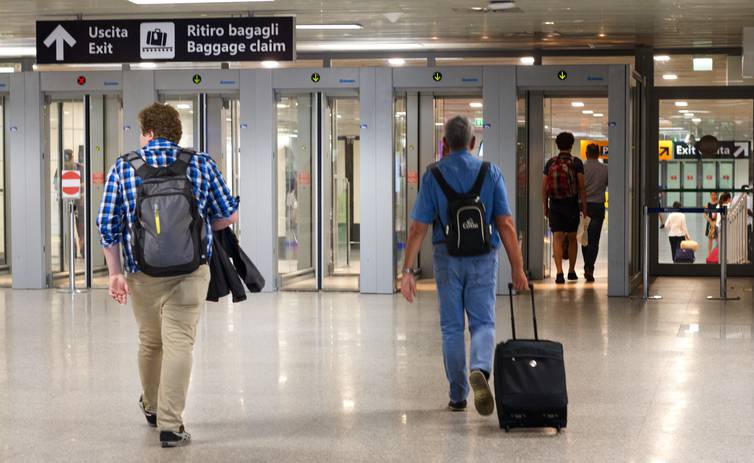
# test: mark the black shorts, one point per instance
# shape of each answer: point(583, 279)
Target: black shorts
point(564, 215)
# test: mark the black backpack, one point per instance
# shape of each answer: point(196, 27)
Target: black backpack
point(467, 233)
point(169, 235)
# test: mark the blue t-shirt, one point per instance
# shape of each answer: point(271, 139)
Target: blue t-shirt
point(460, 171)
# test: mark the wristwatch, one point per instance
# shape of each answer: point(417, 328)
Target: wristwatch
point(411, 271)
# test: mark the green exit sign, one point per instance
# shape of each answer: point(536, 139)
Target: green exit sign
point(479, 122)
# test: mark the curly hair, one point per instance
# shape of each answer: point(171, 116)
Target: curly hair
point(163, 120)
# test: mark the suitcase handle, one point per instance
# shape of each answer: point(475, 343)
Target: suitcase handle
point(533, 311)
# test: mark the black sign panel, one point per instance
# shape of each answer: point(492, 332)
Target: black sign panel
point(725, 150)
point(132, 41)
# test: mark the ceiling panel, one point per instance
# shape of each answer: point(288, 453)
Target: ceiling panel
point(442, 24)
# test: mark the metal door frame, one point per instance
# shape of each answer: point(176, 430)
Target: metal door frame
point(62, 86)
point(5, 96)
point(585, 80)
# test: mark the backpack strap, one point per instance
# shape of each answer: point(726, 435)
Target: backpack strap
point(182, 161)
point(477, 188)
point(450, 193)
point(143, 170)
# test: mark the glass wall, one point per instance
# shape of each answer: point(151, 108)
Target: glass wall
point(448, 107)
point(3, 197)
point(185, 107)
point(703, 70)
point(295, 193)
point(401, 200)
point(587, 120)
point(341, 204)
point(66, 153)
point(683, 165)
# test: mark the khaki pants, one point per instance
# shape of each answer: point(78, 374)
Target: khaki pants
point(167, 311)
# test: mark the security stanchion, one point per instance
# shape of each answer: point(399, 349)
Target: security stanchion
point(645, 268)
point(72, 250)
point(722, 256)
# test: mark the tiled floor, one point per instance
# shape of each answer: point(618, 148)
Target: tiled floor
point(337, 377)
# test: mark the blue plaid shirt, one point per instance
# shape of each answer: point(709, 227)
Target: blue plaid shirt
point(117, 212)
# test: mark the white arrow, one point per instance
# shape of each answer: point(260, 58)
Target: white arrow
point(59, 36)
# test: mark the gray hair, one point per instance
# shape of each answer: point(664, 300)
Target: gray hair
point(458, 132)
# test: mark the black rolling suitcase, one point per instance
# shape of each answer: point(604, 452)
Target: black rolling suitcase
point(530, 382)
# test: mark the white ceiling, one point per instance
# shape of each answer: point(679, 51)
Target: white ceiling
point(441, 24)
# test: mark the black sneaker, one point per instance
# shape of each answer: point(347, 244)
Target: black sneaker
point(589, 278)
point(457, 406)
point(559, 280)
point(483, 400)
point(150, 416)
point(174, 439)
point(572, 276)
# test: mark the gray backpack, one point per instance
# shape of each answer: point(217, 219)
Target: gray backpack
point(169, 236)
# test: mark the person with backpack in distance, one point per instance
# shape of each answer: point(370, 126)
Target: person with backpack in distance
point(466, 200)
point(161, 203)
point(564, 198)
point(595, 184)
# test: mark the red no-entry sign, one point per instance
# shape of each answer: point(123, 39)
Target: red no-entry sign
point(71, 184)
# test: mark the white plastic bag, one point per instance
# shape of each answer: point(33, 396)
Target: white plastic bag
point(582, 235)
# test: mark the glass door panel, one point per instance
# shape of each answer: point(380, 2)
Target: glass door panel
point(400, 130)
point(4, 261)
point(341, 203)
point(186, 107)
point(683, 122)
point(296, 129)
point(447, 107)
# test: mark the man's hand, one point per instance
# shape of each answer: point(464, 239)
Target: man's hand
point(520, 282)
point(408, 287)
point(118, 288)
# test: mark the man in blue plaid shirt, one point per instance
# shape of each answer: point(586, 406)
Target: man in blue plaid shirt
point(167, 309)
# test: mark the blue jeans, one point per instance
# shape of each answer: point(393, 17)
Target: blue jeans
point(465, 287)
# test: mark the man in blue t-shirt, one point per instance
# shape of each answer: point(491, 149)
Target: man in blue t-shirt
point(465, 285)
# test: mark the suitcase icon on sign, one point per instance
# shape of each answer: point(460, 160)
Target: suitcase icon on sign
point(157, 38)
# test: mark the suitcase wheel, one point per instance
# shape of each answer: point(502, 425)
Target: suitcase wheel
point(557, 429)
point(507, 428)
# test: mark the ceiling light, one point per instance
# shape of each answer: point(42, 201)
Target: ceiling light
point(703, 64)
point(477, 8)
point(577, 104)
point(328, 27)
point(176, 2)
point(183, 106)
point(598, 115)
point(670, 76)
point(396, 61)
point(696, 120)
point(498, 5)
point(270, 64)
point(5, 70)
point(476, 104)
point(339, 116)
point(549, 23)
point(369, 46)
point(682, 111)
point(283, 106)
point(527, 60)
point(147, 65)
point(18, 51)
point(400, 114)
point(681, 104)
point(602, 35)
point(662, 58)
point(438, 124)
point(688, 115)
point(587, 111)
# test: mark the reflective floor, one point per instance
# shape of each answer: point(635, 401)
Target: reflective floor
point(337, 377)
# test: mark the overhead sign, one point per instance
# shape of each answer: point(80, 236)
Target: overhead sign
point(666, 150)
point(132, 41)
point(437, 76)
point(725, 150)
point(71, 184)
point(602, 145)
point(316, 77)
point(562, 75)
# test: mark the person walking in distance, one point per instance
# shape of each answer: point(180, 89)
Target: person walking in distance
point(160, 206)
point(710, 230)
point(675, 224)
point(564, 197)
point(595, 183)
point(467, 200)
